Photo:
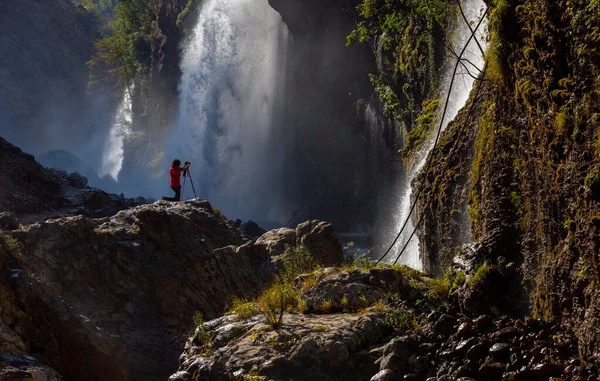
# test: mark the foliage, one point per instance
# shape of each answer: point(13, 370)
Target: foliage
point(281, 296)
point(443, 287)
point(244, 308)
point(302, 307)
point(406, 31)
point(276, 300)
point(390, 18)
point(95, 6)
point(425, 123)
point(480, 275)
point(389, 99)
point(10, 244)
point(400, 317)
point(308, 283)
point(124, 53)
point(184, 15)
point(326, 306)
point(408, 272)
point(203, 332)
point(297, 260)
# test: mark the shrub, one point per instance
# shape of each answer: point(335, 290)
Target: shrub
point(307, 283)
point(203, 333)
point(302, 307)
point(345, 302)
point(244, 308)
point(400, 318)
point(276, 300)
point(441, 288)
point(326, 306)
point(297, 260)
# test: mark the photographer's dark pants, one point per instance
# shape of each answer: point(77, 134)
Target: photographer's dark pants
point(177, 191)
point(177, 197)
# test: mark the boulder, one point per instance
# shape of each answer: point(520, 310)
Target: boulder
point(77, 181)
point(121, 291)
point(252, 229)
point(321, 241)
point(327, 347)
point(275, 241)
point(330, 295)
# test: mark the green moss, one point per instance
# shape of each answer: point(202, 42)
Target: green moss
point(592, 183)
point(480, 275)
point(10, 244)
point(183, 16)
point(516, 199)
point(442, 287)
point(425, 123)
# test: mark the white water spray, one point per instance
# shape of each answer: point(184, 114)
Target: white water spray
point(112, 155)
point(463, 85)
point(231, 92)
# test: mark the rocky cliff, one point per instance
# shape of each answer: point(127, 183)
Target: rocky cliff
point(34, 193)
point(121, 292)
point(111, 296)
point(525, 170)
point(382, 324)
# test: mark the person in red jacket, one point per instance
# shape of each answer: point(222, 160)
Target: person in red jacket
point(175, 174)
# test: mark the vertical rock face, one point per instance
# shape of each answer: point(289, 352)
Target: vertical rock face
point(528, 166)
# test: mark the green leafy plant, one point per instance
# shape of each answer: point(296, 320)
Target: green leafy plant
point(345, 302)
point(400, 317)
point(297, 260)
point(203, 334)
point(480, 275)
point(326, 306)
point(124, 52)
point(275, 301)
point(244, 308)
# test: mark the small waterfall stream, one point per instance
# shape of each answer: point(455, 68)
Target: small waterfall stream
point(460, 94)
point(231, 98)
point(112, 155)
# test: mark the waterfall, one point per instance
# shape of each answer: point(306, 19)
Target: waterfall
point(463, 85)
point(112, 155)
point(231, 101)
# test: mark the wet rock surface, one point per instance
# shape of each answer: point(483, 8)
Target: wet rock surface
point(507, 349)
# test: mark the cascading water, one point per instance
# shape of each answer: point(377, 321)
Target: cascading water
point(112, 155)
point(463, 85)
point(231, 95)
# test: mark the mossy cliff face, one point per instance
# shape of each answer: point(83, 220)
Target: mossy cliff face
point(528, 166)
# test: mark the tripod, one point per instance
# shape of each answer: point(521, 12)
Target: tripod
point(186, 174)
